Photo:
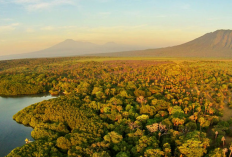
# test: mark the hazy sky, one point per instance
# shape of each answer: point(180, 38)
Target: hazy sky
point(29, 25)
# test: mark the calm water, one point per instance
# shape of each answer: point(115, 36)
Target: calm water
point(12, 134)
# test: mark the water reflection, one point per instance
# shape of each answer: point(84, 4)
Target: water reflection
point(12, 134)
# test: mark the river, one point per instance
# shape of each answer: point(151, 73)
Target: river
point(12, 134)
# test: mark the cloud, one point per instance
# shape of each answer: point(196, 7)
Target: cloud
point(46, 5)
point(47, 28)
point(67, 27)
point(214, 19)
point(166, 15)
point(34, 5)
point(38, 6)
point(30, 30)
point(26, 1)
point(103, 1)
point(103, 14)
point(6, 19)
point(15, 24)
point(10, 27)
point(185, 7)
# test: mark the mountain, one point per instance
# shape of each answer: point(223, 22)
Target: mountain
point(214, 44)
point(70, 47)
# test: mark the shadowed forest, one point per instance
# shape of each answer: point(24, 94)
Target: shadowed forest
point(112, 107)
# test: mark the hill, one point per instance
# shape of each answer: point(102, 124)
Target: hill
point(70, 47)
point(214, 44)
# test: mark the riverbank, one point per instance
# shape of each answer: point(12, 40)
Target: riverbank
point(14, 134)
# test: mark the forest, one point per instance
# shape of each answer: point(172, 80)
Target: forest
point(123, 108)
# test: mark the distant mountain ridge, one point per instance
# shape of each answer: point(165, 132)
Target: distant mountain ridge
point(214, 44)
point(71, 47)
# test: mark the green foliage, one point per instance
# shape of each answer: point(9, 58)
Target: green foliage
point(121, 108)
point(113, 137)
point(37, 148)
point(153, 153)
point(122, 154)
point(38, 133)
point(217, 152)
point(142, 118)
point(192, 148)
point(101, 154)
point(18, 87)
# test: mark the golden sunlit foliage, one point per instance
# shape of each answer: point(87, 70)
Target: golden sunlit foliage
point(123, 108)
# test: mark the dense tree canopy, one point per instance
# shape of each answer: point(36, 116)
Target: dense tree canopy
point(123, 108)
